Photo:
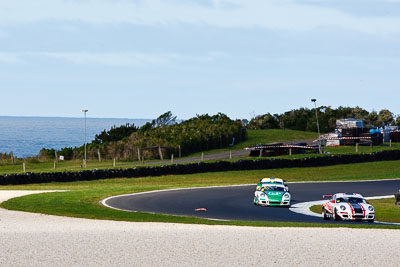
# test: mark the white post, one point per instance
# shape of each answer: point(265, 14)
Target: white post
point(230, 154)
point(160, 152)
point(202, 156)
point(55, 164)
point(172, 158)
point(114, 163)
point(84, 160)
point(319, 135)
point(24, 166)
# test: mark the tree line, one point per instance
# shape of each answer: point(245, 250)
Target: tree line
point(200, 133)
point(304, 119)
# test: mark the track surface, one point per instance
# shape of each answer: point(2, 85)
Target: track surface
point(236, 203)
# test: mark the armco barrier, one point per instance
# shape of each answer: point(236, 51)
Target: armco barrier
point(258, 164)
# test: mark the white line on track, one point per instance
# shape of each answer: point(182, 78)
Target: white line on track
point(103, 202)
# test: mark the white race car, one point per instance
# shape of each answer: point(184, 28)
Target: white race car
point(348, 206)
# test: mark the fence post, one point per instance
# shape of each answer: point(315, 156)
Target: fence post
point(12, 158)
point(55, 155)
point(98, 154)
point(172, 158)
point(290, 151)
point(160, 152)
point(260, 153)
point(230, 154)
point(356, 147)
point(202, 156)
point(138, 154)
point(24, 166)
point(114, 163)
point(390, 143)
point(55, 164)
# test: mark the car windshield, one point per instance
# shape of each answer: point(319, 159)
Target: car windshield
point(272, 188)
point(350, 200)
point(272, 182)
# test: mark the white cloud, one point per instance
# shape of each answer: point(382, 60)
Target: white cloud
point(131, 59)
point(123, 59)
point(10, 58)
point(110, 59)
point(274, 14)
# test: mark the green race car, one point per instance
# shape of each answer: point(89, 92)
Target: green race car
point(271, 194)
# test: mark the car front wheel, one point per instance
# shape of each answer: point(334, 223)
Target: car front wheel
point(336, 216)
point(325, 216)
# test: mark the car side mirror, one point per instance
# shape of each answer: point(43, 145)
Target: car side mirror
point(333, 201)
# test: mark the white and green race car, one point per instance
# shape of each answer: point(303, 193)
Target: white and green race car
point(271, 194)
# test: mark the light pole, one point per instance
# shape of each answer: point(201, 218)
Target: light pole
point(84, 160)
point(316, 115)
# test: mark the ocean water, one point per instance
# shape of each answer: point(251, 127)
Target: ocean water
point(26, 136)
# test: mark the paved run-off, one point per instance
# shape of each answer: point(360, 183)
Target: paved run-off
point(28, 239)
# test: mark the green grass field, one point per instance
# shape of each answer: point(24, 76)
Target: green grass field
point(82, 199)
point(256, 137)
point(385, 210)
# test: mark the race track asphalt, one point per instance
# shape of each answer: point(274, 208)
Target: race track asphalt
point(236, 202)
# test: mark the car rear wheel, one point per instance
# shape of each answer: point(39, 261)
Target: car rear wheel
point(325, 216)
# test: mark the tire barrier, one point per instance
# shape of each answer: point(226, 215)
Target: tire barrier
point(201, 167)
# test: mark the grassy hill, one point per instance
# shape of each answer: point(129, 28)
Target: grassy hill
point(256, 137)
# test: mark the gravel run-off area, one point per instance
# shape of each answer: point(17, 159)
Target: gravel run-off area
point(28, 239)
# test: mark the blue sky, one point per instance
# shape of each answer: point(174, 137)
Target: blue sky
point(140, 58)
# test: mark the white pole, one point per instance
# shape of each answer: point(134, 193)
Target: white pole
point(316, 115)
point(84, 160)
